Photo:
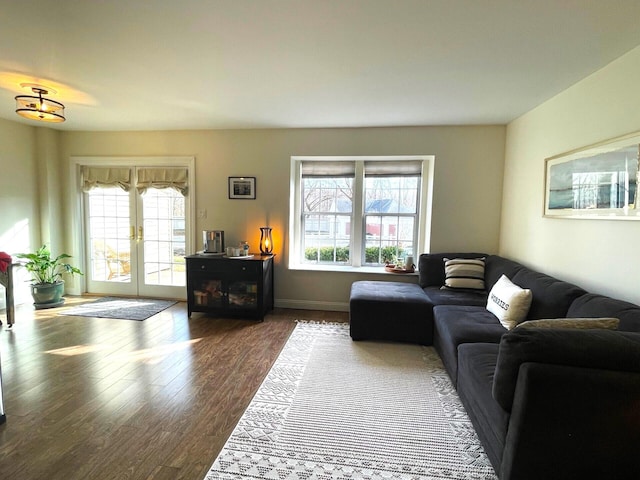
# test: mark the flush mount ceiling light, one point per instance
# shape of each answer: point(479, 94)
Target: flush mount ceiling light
point(38, 107)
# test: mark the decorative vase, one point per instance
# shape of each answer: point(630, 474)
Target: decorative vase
point(47, 295)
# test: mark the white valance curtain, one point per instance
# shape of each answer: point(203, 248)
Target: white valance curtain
point(96, 177)
point(152, 177)
point(175, 178)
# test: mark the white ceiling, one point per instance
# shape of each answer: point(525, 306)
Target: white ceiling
point(198, 64)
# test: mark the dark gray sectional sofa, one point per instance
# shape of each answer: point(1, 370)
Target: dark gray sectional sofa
point(546, 403)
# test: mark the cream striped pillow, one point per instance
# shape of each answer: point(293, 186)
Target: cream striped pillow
point(465, 273)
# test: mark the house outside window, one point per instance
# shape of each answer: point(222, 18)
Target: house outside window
point(357, 211)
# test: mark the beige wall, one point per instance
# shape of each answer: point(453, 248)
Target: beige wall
point(599, 255)
point(51, 172)
point(19, 207)
point(466, 202)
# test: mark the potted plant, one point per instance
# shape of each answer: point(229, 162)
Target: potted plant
point(46, 274)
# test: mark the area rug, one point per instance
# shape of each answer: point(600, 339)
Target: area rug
point(331, 408)
point(120, 308)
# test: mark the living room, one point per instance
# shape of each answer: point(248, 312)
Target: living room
point(488, 180)
point(488, 183)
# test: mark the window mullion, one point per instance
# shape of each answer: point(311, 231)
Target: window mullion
point(357, 217)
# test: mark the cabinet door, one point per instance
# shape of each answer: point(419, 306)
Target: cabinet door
point(243, 294)
point(208, 291)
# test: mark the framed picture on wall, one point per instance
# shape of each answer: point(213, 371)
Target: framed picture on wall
point(243, 188)
point(595, 182)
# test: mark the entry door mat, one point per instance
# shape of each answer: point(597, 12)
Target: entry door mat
point(334, 409)
point(120, 308)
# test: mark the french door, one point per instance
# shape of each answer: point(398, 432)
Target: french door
point(136, 242)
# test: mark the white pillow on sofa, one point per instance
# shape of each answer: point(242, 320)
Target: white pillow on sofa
point(509, 302)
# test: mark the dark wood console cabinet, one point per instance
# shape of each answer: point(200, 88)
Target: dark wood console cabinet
point(238, 287)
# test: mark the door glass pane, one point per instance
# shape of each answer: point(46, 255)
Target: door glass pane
point(243, 294)
point(109, 224)
point(164, 237)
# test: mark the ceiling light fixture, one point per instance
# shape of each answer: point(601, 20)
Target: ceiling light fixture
point(39, 108)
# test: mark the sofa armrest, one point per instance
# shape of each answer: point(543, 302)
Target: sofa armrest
point(600, 349)
point(573, 422)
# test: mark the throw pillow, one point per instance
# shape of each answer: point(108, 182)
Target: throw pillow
point(464, 273)
point(509, 302)
point(581, 323)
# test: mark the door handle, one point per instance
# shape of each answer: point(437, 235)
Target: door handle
point(140, 236)
point(132, 233)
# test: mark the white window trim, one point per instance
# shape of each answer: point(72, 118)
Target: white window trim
point(295, 209)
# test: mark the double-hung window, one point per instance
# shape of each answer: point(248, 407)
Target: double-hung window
point(357, 211)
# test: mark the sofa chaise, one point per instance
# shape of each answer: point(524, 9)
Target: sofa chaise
point(546, 403)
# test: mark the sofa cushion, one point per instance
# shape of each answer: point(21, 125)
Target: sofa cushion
point(602, 349)
point(582, 323)
point(476, 367)
point(454, 325)
point(464, 273)
point(509, 302)
point(431, 267)
point(593, 305)
point(495, 266)
point(440, 296)
point(394, 311)
point(551, 297)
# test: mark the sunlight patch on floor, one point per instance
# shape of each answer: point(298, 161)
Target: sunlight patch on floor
point(78, 350)
point(157, 354)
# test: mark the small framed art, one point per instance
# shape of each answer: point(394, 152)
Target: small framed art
point(243, 188)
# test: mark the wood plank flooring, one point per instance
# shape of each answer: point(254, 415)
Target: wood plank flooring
point(90, 398)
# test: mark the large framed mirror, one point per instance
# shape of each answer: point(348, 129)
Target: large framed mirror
point(599, 181)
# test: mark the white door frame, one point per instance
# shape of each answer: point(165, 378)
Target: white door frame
point(77, 209)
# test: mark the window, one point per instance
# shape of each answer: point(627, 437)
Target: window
point(357, 211)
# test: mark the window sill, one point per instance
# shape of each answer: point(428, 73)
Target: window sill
point(349, 269)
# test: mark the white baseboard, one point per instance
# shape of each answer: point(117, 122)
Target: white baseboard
point(312, 305)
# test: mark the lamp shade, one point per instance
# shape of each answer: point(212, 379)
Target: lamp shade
point(266, 241)
point(39, 108)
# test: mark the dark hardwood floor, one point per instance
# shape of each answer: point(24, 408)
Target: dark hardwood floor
point(90, 398)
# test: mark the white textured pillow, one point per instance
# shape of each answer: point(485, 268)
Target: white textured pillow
point(509, 302)
point(465, 273)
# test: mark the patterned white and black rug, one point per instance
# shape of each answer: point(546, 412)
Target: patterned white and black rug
point(120, 308)
point(332, 409)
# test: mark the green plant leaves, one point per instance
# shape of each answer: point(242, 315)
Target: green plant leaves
point(45, 269)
